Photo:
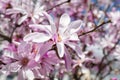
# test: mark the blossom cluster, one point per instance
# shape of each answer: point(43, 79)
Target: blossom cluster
point(59, 39)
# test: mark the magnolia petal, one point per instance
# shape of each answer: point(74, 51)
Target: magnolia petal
point(29, 74)
point(11, 11)
point(24, 48)
point(53, 27)
point(75, 46)
point(68, 60)
point(37, 73)
point(64, 20)
point(32, 64)
point(74, 37)
point(46, 46)
point(22, 19)
point(14, 67)
point(37, 37)
point(60, 49)
point(71, 44)
point(75, 26)
point(21, 75)
point(46, 28)
point(63, 24)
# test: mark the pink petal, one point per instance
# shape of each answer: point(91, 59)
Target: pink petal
point(14, 67)
point(24, 48)
point(68, 60)
point(60, 49)
point(46, 46)
point(32, 64)
point(37, 37)
point(76, 47)
point(37, 73)
point(21, 75)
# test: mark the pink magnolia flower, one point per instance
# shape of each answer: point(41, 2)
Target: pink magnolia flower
point(47, 63)
point(65, 33)
point(22, 62)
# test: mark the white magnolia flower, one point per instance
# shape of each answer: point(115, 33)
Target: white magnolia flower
point(65, 33)
point(115, 17)
point(28, 10)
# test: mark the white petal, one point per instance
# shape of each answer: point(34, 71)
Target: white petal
point(75, 26)
point(60, 49)
point(64, 20)
point(51, 22)
point(22, 19)
point(37, 37)
point(63, 24)
point(74, 37)
point(46, 28)
point(71, 44)
point(29, 75)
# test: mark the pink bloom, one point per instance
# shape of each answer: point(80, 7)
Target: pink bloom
point(22, 62)
point(65, 33)
point(47, 63)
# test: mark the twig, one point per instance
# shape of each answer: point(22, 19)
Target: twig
point(58, 5)
point(84, 33)
point(101, 66)
point(5, 37)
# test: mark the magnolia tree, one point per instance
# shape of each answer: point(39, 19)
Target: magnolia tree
point(60, 39)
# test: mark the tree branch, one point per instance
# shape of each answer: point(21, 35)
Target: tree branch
point(59, 5)
point(5, 37)
point(84, 33)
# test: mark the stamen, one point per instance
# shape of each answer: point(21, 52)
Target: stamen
point(24, 61)
point(59, 38)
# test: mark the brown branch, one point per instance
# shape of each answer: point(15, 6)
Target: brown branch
point(5, 37)
point(13, 32)
point(101, 66)
point(84, 33)
point(58, 5)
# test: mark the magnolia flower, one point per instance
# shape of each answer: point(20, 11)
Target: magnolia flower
point(29, 10)
point(115, 17)
point(65, 33)
point(107, 41)
point(47, 63)
point(22, 62)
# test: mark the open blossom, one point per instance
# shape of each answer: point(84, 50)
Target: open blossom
point(64, 33)
point(29, 10)
point(31, 60)
point(22, 62)
point(46, 64)
point(115, 17)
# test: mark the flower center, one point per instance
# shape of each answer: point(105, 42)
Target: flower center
point(59, 38)
point(24, 61)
